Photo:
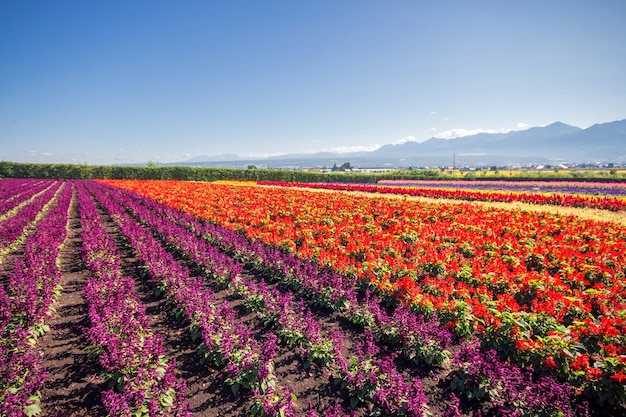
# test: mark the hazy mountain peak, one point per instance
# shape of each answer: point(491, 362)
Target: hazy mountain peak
point(557, 142)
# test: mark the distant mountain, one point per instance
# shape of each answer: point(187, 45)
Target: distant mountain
point(537, 142)
point(606, 141)
point(555, 143)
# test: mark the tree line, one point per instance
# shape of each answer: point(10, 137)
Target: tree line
point(155, 172)
point(184, 173)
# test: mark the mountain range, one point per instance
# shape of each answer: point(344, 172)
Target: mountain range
point(557, 143)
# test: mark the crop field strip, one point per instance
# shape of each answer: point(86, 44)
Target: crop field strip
point(567, 199)
point(16, 194)
point(71, 387)
point(313, 338)
point(583, 213)
point(19, 222)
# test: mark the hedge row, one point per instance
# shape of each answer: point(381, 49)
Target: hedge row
point(184, 173)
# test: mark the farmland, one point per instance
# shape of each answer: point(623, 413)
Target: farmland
point(128, 297)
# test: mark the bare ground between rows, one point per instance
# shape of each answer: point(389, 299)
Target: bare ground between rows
point(7, 262)
point(206, 393)
point(72, 387)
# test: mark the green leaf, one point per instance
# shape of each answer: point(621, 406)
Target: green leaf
point(454, 384)
point(255, 409)
point(143, 411)
point(354, 401)
point(167, 400)
point(32, 410)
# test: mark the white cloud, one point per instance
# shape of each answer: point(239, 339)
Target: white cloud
point(407, 139)
point(434, 112)
point(459, 133)
point(253, 155)
point(338, 149)
point(39, 153)
point(345, 149)
point(412, 138)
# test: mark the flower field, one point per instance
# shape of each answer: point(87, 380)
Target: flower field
point(242, 299)
point(609, 196)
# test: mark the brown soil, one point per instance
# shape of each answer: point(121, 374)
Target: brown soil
point(72, 387)
point(7, 261)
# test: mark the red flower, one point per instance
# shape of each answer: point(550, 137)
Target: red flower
point(619, 377)
point(610, 350)
point(580, 362)
point(595, 374)
point(521, 344)
point(550, 363)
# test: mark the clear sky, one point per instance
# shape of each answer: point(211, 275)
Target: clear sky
point(111, 82)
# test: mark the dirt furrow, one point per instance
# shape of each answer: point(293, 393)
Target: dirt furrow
point(207, 394)
point(72, 387)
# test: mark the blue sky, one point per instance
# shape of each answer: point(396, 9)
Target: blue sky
point(111, 82)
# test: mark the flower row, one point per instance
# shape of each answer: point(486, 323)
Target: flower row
point(556, 199)
point(141, 381)
point(563, 187)
point(15, 227)
point(17, 192)
point(26, 306)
